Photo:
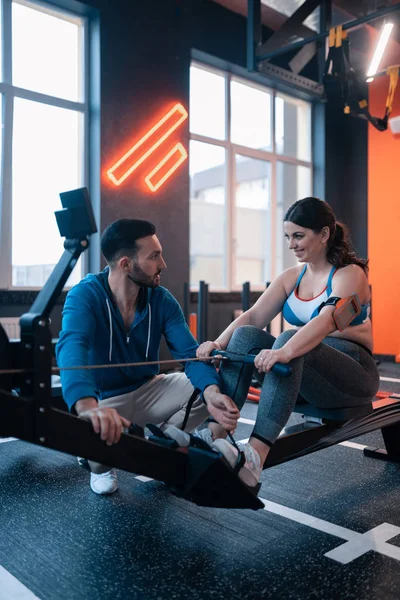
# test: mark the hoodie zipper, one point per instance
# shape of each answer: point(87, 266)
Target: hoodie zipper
point(128, 337)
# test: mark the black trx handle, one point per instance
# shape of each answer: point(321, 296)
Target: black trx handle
point(278, 368)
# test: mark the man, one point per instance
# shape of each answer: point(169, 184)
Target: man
point(119, 316)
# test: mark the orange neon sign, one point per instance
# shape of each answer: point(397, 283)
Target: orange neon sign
point(152, 182)
point(132, 159)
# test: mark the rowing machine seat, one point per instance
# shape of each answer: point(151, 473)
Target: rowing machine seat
point(332, 414)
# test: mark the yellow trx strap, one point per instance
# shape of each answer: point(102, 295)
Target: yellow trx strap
point(340, 80)
point(336, 36)
point(393, 73)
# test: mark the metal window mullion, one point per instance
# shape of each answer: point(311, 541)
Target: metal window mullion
point(7, 41)
point(293, 161)
point(273, 122)
point(312, 181)
point(252, 152)
point(6, 167)
point(85, 86)
point(208, 140)
point(230, 220)
point(230, 186)
point(6, 195)
point(273, 219)
point(274, 194)
point(262, 155)
point(49, 8)
point(43, 98)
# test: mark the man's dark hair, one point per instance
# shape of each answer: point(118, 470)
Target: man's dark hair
point(119, 239)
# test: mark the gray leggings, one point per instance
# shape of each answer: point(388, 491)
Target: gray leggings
point(336, 373)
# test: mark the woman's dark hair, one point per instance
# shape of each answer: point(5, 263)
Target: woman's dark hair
point(119, 239)
point(316, 214)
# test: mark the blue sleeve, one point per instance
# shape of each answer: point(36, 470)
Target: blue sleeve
point(78, 327)
point(183, 345)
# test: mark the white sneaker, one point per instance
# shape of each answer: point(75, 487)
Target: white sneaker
point(185, 439)
point(181, 437)
point(104, 483)
point(205, 435)
point(250, 473)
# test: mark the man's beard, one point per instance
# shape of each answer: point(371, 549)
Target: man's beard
point(140, 278)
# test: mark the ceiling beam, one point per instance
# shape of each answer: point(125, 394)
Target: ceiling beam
point(290, 27)
point(321, 36)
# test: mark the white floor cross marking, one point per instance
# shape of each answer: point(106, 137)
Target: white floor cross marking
point(356, 544)
point(375, 539)
point(11, 587)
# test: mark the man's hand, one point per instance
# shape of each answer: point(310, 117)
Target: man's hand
point(105, 421)
point(221, 407)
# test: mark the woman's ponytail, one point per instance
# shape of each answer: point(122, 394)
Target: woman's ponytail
point(340, 251)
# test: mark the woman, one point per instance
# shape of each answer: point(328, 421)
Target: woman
point(330, 368)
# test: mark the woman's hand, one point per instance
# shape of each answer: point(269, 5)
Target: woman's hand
point(205, 349)
point(265, 360)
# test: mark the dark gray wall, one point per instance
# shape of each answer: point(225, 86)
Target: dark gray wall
point(346, 173)
point(146, 53)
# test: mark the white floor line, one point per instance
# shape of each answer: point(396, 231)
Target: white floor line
point(356, 544)
point(390, 379)
point(144, 478)
point(246, 421)
point(10, 587)
point(4, 440)
point(353, 445)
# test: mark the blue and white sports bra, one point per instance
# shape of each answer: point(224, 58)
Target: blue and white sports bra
point(298, 312)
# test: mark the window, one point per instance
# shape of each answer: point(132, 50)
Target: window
point(251, 219)
point(250, 159)
point(45, 112)
point(207, 210)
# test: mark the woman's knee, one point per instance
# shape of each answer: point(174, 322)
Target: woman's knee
point(247, 337)
point(283, 338)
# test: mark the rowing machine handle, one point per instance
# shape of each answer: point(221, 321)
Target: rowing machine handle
point(278, 368)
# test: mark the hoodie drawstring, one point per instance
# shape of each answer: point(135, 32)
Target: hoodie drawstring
point(148, 333)
point(111, 329)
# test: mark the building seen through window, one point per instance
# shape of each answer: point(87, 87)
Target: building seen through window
point(244, 174)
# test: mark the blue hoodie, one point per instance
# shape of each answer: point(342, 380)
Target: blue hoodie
point(93, 333)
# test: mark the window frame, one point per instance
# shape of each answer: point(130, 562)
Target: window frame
point(271, 156)
point(9, 92)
